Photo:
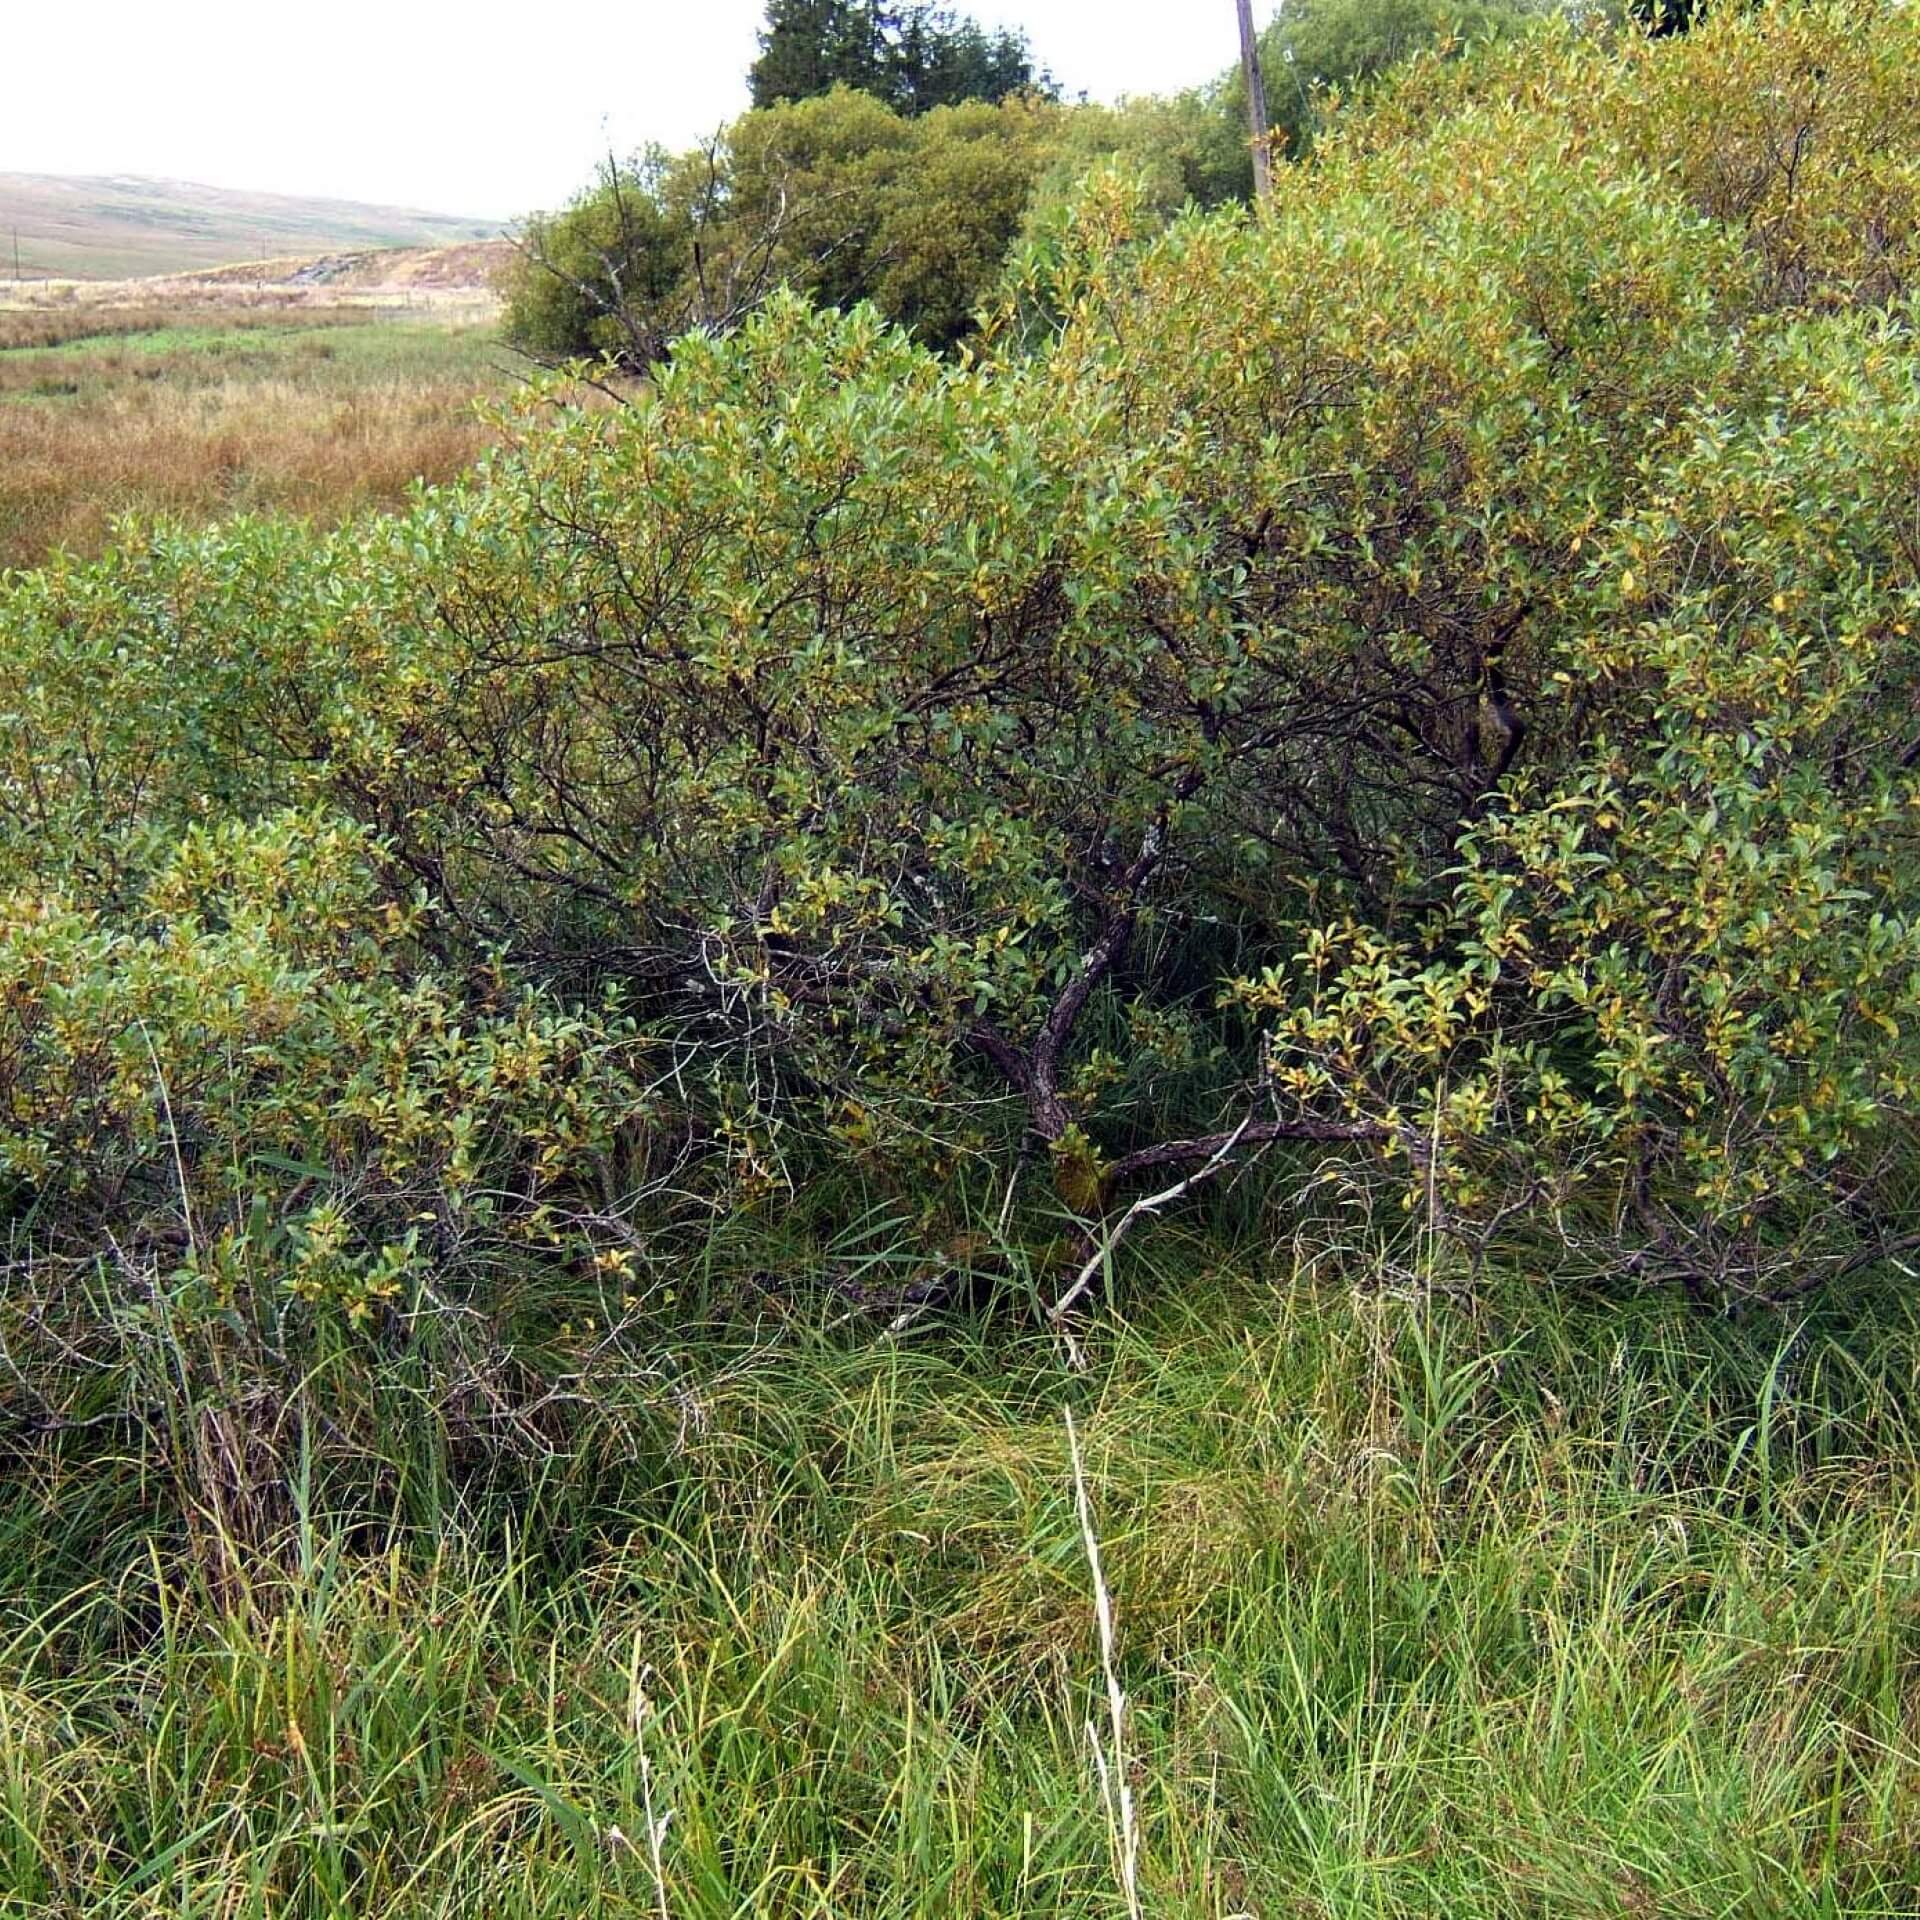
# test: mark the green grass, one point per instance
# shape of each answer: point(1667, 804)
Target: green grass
point(1520, 1608)
point(345, 348)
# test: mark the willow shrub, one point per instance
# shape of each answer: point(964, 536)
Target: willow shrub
point(1426, 674)
point(261, 1020)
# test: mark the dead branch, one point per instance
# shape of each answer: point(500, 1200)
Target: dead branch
point(1141, 1209)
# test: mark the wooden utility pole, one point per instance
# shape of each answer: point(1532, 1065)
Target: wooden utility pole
point(1256, 103)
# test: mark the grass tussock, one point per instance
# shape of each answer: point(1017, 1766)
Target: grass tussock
point(109, 412)
point(1420, 1609)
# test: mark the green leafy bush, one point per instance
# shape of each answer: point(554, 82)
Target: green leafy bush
point(1426, 674)
point(1316, 51)
point(609, 274)
point(258, 1055)
point(897, 158)
point(837, 196)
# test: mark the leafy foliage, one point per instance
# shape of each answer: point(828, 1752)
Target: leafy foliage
point(1421, 682)
point(837, 196)
point(609, 275)
point(1426, 675)
point(1315, 49)
point(913, 56)
point(896, 155)
point(258, 1072)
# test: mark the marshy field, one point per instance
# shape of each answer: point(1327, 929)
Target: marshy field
point(201, 408)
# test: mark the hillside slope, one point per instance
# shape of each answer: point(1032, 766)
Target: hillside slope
point(119, 226)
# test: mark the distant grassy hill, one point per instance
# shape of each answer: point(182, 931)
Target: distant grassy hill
point(120, 226)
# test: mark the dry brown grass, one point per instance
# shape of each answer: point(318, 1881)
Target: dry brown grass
point(311, 413)
point(201, 454)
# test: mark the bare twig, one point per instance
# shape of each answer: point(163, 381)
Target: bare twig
point(1249, 1133)
point(1148, 1204)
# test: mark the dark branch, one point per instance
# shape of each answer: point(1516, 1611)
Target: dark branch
point(1257, 1133)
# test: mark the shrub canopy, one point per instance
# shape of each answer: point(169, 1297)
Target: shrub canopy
point(1428, 675)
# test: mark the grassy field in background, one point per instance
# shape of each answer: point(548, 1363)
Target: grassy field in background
point(199, 410)
point(1422, 1608)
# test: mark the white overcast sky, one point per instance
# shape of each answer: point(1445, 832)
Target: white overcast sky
point(469, 108)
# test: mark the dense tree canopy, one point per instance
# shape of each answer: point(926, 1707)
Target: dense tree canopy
point(613, 273)
point(838, 197)
point(913, 57)
point(1314, 48)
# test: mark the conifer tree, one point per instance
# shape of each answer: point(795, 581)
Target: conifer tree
point(914, 56)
